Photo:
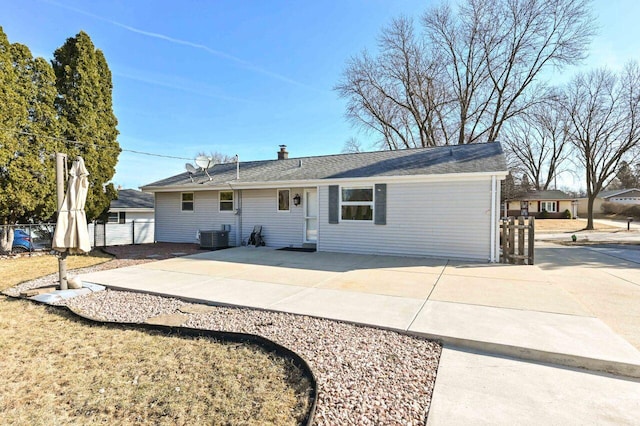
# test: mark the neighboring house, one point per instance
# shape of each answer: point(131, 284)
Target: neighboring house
point(554, 202)
point(441, 201)
point(624, 196)
point(130, 221)
point(131, 205)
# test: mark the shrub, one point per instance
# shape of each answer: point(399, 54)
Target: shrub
point(544, 214)
point(622, 209)
point(566, 214)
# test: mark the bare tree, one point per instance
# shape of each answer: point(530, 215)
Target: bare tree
point(396, 94)
point(604, 125)
point(467, 73)
point(218, 157)
point(352, 145)
point(536, 143)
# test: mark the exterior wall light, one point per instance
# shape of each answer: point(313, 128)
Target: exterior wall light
point(296, 200)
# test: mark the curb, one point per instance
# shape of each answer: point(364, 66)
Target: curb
point(535, 355)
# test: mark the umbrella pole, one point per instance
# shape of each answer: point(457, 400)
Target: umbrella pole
point(62, 258)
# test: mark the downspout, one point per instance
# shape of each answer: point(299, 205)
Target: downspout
point(492, 257)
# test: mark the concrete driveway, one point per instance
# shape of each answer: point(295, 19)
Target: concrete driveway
point(564, 312)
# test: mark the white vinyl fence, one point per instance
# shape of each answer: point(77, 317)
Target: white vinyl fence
point(115, 234)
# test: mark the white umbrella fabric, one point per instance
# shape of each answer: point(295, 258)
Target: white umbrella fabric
point(71, 228)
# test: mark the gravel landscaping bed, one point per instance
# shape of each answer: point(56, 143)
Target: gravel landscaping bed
point(365, 375)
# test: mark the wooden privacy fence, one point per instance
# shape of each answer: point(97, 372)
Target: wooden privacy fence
point(517, 240)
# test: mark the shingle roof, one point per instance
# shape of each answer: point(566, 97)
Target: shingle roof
point(132, 199)
point(474, 158)
point(553, 194)
point(611, 192)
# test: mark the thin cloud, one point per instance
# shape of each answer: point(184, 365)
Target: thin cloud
point(176, 84)
point(246, 64)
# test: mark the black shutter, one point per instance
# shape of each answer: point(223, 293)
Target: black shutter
point(334, 203)
point(380, 210)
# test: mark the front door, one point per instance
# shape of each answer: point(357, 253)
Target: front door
point(311, 215)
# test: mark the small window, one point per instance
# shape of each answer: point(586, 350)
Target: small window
point(356, 204)
point(117, 217)
point(187, 201)
point(283, 200)
point(226, 201)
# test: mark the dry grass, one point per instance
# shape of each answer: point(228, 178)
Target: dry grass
point(58, 370)
point(25, 268)
point(568, 225)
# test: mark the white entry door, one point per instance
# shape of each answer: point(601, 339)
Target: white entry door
point(310, 215)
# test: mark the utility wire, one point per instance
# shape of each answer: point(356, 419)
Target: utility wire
point(19, 132)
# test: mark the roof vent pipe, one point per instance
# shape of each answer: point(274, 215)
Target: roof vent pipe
point(283, 154)
point(300, 163)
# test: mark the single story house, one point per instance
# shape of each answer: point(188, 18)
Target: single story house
point(533, 203)
point(623, 196)
point(131, 205)
point(441, 201)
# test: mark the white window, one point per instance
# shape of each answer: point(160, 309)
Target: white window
point(548, 206)
point(356, 203)
point(226, 201)
point(117, 217)
point(283, 200)
point(187, 201)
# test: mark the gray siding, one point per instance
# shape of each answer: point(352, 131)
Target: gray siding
point(442, 219)
point(279, 229)
point(174, 225)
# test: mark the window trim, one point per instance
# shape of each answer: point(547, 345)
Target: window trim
point(545, 204)
point(193, 202)
point(278, 200)
point(118, 220)
point(371, 203)
point(220, 201)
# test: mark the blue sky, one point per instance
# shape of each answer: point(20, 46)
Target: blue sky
point(240, 77)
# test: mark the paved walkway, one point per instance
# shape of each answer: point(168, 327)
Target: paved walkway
point(565, 311)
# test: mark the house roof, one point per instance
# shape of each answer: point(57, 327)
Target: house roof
point(616, 192)
point(551, 195)
point(473, 158)
point(132, 199)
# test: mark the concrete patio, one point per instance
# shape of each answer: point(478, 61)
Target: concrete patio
point(566, 311)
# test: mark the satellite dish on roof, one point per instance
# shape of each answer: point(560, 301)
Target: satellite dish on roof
point(191, 170)
point(203, 162)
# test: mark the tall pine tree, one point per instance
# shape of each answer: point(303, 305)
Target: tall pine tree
point(85, 110)
point(27, 93)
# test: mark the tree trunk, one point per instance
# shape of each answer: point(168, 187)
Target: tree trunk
point(6, 239)
point(590, 199)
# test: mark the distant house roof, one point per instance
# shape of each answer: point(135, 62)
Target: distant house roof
point(619, 192)
point(132, 199)
point(551, 195)
point(473, 158)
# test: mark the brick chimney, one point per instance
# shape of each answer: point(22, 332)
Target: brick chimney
point(283, 154)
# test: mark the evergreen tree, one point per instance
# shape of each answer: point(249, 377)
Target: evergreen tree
point(13, 115)
point(85, 110)
point(32, 170)
point(626, 177)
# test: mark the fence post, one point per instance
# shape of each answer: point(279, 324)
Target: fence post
point(512, 239)
point(531, 239)
point(521, 240)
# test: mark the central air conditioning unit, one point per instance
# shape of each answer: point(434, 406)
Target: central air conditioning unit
point(214, 240)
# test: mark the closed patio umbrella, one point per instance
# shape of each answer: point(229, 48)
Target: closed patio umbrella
point(71, 234)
